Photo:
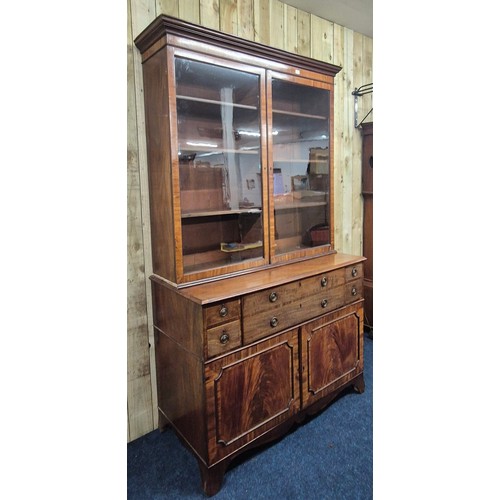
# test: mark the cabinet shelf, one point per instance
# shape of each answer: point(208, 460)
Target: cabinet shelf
point(213, 101)
point(205, 149)
point(297, 160)
point(215, 213)
point(239, 247)
point(301, 115)
point(298, 205)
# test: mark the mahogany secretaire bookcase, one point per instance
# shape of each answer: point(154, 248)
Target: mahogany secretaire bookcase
point(258, 320)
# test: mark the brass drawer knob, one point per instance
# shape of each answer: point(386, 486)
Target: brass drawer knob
point(223, 311)
point(354, 272)
point(324, 281)
point(224, 338)
point(274, 321)
point(354, 291)
point(273, 297)
point(324, 303)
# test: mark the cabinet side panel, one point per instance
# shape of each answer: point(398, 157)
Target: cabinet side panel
point(159, 167)
point(180, 392)
point(179, 318)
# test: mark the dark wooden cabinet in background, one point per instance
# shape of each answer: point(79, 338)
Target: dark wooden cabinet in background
point(367, 190)
point(258, 320)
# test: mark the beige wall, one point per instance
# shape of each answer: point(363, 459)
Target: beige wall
point(273, 23)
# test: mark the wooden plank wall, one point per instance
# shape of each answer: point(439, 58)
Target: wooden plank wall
point(273, 23)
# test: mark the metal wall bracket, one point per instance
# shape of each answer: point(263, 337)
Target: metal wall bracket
point(359, 92)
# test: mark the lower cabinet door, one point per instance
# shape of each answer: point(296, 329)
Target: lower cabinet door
point(332, 352)
point(251, 391)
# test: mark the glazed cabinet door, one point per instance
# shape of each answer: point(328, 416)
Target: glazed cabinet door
point(332, 352)
point(300, 139)
point(217, 116)
point(251, 391)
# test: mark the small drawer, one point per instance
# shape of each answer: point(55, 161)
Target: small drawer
point(354, 272)
point(222, 312)
point(322, 283)
point(223, 338)
point(353, 291)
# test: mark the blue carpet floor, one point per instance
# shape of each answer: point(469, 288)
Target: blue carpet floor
point(328, 457)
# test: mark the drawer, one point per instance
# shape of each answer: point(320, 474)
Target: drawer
point(353, 291)
point(271, 299)
point(322, 303)
point(222, 312)
point(259, 325)
point(354, 272)
point(277, 297)
point(223, 338)
point(322, 282)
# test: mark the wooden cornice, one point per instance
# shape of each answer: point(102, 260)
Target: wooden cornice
point(164, 25)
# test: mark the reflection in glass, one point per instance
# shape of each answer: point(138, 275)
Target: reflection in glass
point(218, 121)
point(301, 159)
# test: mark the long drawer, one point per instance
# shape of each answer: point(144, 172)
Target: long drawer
point(274, 309)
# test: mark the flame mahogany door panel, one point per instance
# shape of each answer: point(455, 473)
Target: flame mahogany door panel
point(332, 352)
point(250, 392)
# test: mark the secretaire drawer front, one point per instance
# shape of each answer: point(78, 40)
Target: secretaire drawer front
point(318, 304)
point(222, 312)
point(271, 299)
point(321, 283)
point(354, 272)
point(258, 326)
point(223, 338)
point(353, 291)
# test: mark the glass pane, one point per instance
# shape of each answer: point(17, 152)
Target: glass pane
point(301, 160)
point(218, 125)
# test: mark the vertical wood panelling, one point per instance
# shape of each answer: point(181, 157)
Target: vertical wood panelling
point(357, 198)
point(168, 7)
point(141, 417)
point(141, 13)
point(348, 131)
point(229, 16)
point(270, 22)
point(245, 19)
point(291, 29)
point(189, 10)
point(367, 59)
point(277, 34)
point(321, 39)
point(262, 24)
point(304, 33)
point(338, 143)
point(209, 14)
